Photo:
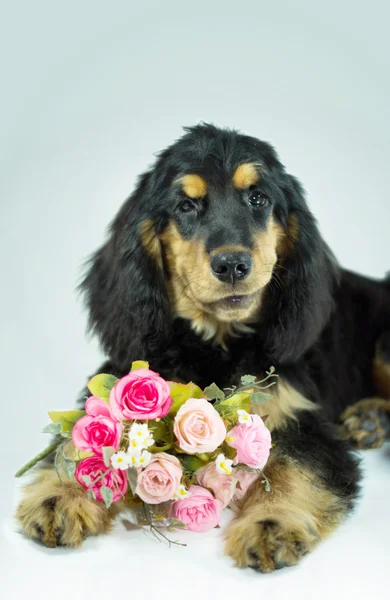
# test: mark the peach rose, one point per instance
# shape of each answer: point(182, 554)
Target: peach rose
point(252, 442)
point(140, 395)
point(198, 427)
point(199, 511)
point(159, 481)
point(222, 485)
point(246, 479)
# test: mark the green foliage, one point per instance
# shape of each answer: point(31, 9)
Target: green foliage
point(192, 463)
point(139, 364)
point(181, 392)
point(213, 392)
point(106, 495)
point(260, 398)
point(101, 385)
point(108, 451)
point(66, 418)
point(132, 478)
point(248, 379)
point(53, 428)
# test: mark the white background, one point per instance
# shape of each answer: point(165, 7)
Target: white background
point(89, 92)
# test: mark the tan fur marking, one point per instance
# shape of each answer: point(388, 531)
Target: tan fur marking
point(279, 527)
point(284, 405)
point(195, 293)
point(194, 186)
point(61, 513)
point(150, 241)
point(381, 376)
point(288, 239)
point(246, 175)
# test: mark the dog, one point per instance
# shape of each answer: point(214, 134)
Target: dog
point(215, 268)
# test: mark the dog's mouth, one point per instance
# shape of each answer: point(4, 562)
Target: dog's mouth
point(235, 304)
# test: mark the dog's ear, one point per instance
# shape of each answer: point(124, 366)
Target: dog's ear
point(124, 286)
point(300, 299)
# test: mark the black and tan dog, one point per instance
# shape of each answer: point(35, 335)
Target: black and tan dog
point(214, 268)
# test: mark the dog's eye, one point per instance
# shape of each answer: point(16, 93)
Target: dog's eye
point(257, 199)
point(187, 206)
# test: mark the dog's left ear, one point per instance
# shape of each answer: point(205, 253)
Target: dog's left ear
point(299, 303)
point(124, 287)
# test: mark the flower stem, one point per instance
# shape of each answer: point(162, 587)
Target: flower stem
point(37, 458)
point(160, 448)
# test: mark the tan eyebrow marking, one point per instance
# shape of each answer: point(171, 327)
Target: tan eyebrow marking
point(245, 175)
point(194, 186)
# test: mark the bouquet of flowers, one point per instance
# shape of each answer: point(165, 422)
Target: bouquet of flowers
point(175, 454)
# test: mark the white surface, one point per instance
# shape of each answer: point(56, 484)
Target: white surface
point(353, 563)
point(90, 90)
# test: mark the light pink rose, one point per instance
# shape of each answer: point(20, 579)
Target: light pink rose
point(97, 429)
point(252, 442)
point(246, 479)
point(198, 427)
point(141, 395)
point(199, 511)
point(160, 479)
point(94, 467)
point(221, 484)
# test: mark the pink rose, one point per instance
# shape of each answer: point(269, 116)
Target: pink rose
point(222, 485)
point(140, 395)
point(160, 479)
point(94, 467)
point(246, 479)
point(199, 511)
point(198, 427)
point(97, 429)
point(252, 442)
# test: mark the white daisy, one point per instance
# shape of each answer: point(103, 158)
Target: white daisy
point(120, 460)
point(244, 417)
point(223, 464)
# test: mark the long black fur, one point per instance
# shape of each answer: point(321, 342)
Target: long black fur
point(318, 326)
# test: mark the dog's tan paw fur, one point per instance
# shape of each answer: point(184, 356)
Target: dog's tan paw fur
point(276, 529)
point(269, 544)
point(61, 513)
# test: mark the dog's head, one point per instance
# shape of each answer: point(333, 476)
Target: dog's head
point(219, 235)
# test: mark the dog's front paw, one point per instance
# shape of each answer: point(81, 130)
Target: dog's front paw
point(61, 513)
point(268, 544)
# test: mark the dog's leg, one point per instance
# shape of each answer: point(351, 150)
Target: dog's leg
point(366, 424)
point(313, 482)
point(61, 513)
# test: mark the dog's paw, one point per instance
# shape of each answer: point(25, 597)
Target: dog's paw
point(363, 426)
point(61, 513)
point(269, 544)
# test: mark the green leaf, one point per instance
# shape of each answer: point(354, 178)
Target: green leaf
point(241, 400)
point(181, 392)
point(70, 468)
point(192, 463)
point(260, 398)
point(107, 495)
point(67, 418)
point(132, 478)
point(247, 379)
point(213, 391)
point(53, 428)
point(173, 524)
point(108, 451)
point(139, 364)
point(159, 430)
point(101, 385)
point(87, 480)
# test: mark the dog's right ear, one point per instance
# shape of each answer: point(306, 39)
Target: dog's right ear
point(124, 286)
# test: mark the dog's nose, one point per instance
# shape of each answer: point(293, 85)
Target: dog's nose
point(230, 266)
